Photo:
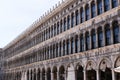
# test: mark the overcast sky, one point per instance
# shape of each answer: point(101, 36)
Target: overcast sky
point(17, 15)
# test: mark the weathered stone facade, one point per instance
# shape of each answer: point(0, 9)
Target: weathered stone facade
point(77, 40)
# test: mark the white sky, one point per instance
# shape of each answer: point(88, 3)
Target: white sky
point(17, 15)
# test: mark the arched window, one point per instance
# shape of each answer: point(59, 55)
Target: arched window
point(115, 32)
point(93, 9)
point(68, 22)
point(64, 24)
point(72, 20)
point(76, 44)
point(68, 46)
point(81, 43)
point(61, 26)
point(56, 50)
point(87, 40)
point(72, 46)
point(63, 48)
point(93, 39)
point(58, 28)
point(107, 34)
point(51, 31)
point(54, 29)
point(114, 3)
point(106, 5)
point(81, 15)
point(99, 6)
point(100, 37)
point(87, 12)
point(77, 17)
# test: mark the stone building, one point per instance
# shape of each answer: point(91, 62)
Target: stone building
point(76, 40)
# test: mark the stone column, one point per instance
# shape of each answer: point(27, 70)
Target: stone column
point(61, 48)
point(84, 13)
point(29, 75)
point(70, 20)
point(51, 75)
point(74, 45)
point(65, 75)
point(97, 71)
point(103, 6)
point(96, 33)
point(113, 74)
point(90, 11)
point(74, 19)
point(65, 47)
point(110, 4)
point(104, 40)
point(78, 44)
point(70, 46)
point(96, 7)
point(90, 46)
point(58, 76)
point(45, 76)
point(40, 76)
point(84, 75)
point(84, 39)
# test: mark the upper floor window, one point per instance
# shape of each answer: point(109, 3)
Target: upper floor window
point(93, 40)
point(76, 44)
point(68, 22)
point(99, 7)
point(72, 46)
point(77, 17)
point(56, 50)
point(114, 3)
point(58, 28)
point(87, 12)
point(115, 32)
point(106, 5)
point(81, 43)
point(93, 10)
point(54, 29)
point(72, 20)
point(107, 34)
point(87, 40)
point(64, 24)
point(100, 37)
point(81, 15)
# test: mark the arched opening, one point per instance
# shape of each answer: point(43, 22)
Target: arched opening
point(68, 47)
point(72, 19)
point(54, 29)
point(81, 43)
point(79, 73)
point(62, 73)
point(115, 32)
point(43, 74)
point(90, 71)
point(93, 9)
point(72, 46)
point(99, 7)
point(87, 41)
point(64, 24)
point(57, 28)
point(117, 64)
point(87, 12)
point(68, 22)
point(105, 71)
point(106, 5)
point(107, 34)
point(82, 15)
point(38, 74)
point(76, 44)
point(93, 38)
point(114, 3)
point(48, 74)
point(27, 75)
point(55, 73)
point(100, 37)
point(77, 17)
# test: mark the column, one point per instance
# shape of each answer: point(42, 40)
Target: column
point(65, 75)
point(103, 6)
point(74, 45)
point(51, 75)
point(84, 75)
point(110, 4)
point(97, 71)
point(104, 40)
point(70, 46)
point(74, 20)
point(58, 76)
point(65, 47)
point(29, 75)
point(96, 33)
point(61, 48)
point(90, 11)
point(45, 76)
point(113, 74)
point(78, 44)
point(90, 46)
point(40, 76)
point(84, 39)
point(96, 7)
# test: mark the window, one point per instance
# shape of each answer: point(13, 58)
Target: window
point(100, 37)
point(63, 48)
point(56, 50)
point(99, 7)
point(77, 17)
point(72, 20)
point(81, 15)
point(107, 35)
point(114, 3)
point(106, 5)
point(72, 46)
point(58, 28)
point(81, 43)
point(54, 29)
point(76, 44)
point(87, 13)
point(87, 41)
point(65, 24)
point(68, 22)
point(93, 10)
point(68, 46)
point(93, 40)
point(115, 32)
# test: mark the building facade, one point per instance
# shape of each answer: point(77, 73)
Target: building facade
point(77, 40)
